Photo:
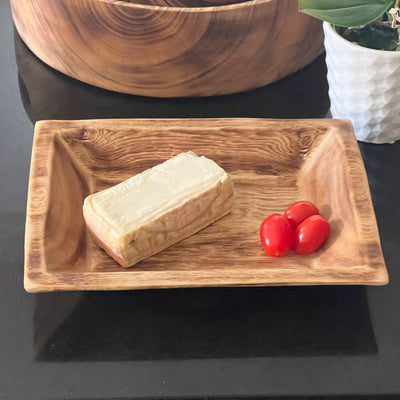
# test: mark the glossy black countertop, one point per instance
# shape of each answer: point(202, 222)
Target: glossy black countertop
point(185, 343)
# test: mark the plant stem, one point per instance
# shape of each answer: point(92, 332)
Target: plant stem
point(383, 23)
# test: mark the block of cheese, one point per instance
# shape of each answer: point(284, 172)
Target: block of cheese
point(158, 207)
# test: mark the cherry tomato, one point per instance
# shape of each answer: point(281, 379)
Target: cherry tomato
point(276, 235)
point(299, 211)
point(310, 234)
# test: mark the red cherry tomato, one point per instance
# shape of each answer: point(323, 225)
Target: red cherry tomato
point(276, 235)
point(299, 211)
point(310, 234)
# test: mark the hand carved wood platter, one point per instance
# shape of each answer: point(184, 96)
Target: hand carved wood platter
point(273, 163)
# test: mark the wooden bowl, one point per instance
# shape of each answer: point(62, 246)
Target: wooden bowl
point(186, 3)
point(40, 87)
point(170, 51)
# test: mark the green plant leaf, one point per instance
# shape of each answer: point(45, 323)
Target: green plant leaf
point(347, 13)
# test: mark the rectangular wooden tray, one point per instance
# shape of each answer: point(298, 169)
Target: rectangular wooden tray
point(273, 163)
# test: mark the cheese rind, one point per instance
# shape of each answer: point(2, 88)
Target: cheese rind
point(158, 207)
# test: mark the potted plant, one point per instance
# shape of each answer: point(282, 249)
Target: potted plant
point(363, 59)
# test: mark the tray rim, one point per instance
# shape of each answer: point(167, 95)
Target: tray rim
point(35, 280)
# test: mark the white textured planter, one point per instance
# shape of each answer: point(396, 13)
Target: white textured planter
point(364, 86)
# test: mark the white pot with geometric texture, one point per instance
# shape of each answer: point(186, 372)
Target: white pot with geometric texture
point(364, 87)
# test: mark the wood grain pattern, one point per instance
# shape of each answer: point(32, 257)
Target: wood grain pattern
point(272, 163)
point(186, 3)
point(170, 51)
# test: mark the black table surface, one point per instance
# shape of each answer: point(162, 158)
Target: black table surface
point(185, 343)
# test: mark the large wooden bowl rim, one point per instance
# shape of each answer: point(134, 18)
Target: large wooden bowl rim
point(224, 7)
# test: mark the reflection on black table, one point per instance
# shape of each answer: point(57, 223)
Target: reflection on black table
point(204, 323)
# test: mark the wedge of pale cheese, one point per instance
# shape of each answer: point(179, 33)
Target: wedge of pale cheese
point(158, 207)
